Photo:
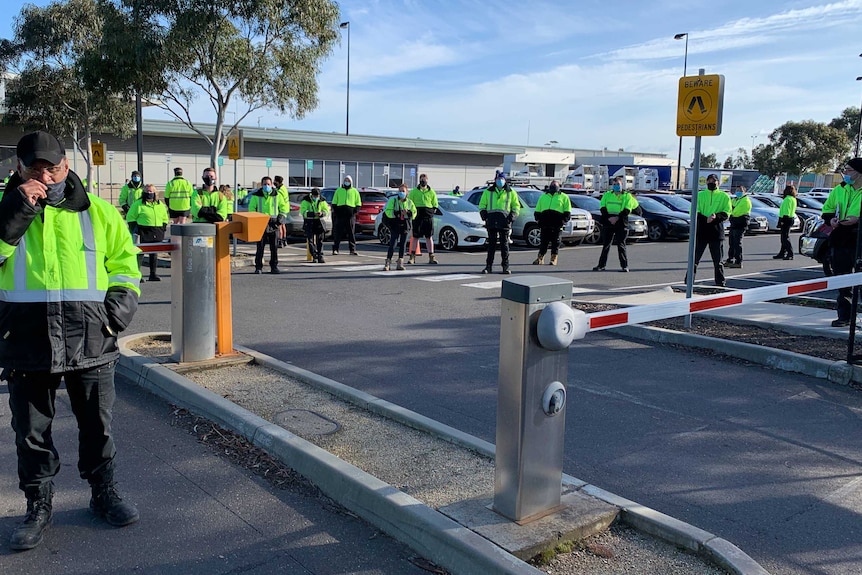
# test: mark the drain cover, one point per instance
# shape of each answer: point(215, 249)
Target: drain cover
point(303, 422)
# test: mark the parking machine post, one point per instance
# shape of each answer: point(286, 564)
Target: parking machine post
point(193, 292)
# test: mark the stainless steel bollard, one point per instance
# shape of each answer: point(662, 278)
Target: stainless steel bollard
point(531, 415)
point(193, 292)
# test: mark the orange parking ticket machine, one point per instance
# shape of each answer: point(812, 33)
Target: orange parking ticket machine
point(248, 227)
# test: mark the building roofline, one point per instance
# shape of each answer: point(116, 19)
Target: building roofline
point(277, 135)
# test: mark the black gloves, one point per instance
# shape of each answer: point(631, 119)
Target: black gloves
point(510, 217)
point(121, 303)
point(355, 210)
point(210, 214)
point(280, 219)
point(483, 214)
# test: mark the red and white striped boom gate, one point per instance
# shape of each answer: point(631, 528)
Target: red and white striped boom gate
point(652, 312)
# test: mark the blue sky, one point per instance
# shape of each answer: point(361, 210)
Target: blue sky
point(586, 73)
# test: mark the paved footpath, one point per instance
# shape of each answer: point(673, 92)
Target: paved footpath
point(199, 513)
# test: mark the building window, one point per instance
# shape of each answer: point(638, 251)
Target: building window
point(296, 173)
point(381, 175)
point(315, 174)
point(363, 176)
point(411, 174)
point(349, 169)
point(332, 174)
point(396, 175)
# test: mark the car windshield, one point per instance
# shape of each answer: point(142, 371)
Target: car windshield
point(810, 203)
point(769, 202)
point(530, 197)
point(455, 204)
point(756, 202)
point(585, 202)
point(676, 202)
point(652, 205)
point(370, 197)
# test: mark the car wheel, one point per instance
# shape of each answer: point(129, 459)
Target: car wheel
point(533, 236)
point(448, 239)
point(655, 231)
point(384, 235)
point(594, 237)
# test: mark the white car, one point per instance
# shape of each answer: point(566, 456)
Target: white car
point(458, 225)
point(526, 228)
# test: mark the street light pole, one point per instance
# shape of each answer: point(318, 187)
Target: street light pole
point(684, 70)
point(859, 133)
point(347, 118)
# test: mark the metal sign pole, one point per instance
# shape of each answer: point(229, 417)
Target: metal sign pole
point(692, 233)
point(235, 202)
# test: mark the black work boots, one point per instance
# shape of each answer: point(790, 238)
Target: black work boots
point(107, 504)
point(28, 534)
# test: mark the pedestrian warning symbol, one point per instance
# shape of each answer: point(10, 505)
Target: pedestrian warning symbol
point(699, 105)
point(98, 153)
point(235, 145)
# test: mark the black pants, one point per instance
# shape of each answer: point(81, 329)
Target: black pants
point(314, 236)
point(786, 246)
point(397, 236)
point(269, 238)
point(31, 399)
point(618, 236)
point(734, 250)
point(151, 234)
point(499, 237)
point(716, 251)
point(842, 263)
point(550, 236)
point(344, 226)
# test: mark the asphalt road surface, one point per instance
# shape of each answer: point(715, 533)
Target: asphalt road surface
point(770, 461)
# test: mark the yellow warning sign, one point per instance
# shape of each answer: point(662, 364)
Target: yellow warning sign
point(700, 104)
point(235, 145)
point(98, 153)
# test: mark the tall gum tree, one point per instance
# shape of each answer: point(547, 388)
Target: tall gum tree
point(258, 54)
point(48, 56)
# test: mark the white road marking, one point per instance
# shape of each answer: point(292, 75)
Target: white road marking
point(364, 268)
point(450, 277)
point(485, 285)
point(408, 272)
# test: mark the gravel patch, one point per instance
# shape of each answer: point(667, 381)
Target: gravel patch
point(430, 469)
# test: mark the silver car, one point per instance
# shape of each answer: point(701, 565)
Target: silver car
point(525, 227)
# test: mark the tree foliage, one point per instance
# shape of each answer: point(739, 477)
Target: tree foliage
point(801, 147)
point(707, 161)
point(848, 122)
point(740, 161)
point(254, 53)
point(50, 53)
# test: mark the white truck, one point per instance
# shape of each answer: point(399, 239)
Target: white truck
point(588, 177)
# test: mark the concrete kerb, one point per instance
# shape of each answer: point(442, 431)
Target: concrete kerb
point(834, 371)
point(375, 500)
point(426, 531)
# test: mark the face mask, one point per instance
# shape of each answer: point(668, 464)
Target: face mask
point(848, 179)
point(136, 179)
point(315, 196)
point(553, 188)
point(402, 195)
point(500, 182)
point(209, 180)
point(738, 194)
point(148, 196)
point(710, 186)
point(267, 188)
point(423, 183)
point(55, 193)
point(617, 188)
point(346, 184)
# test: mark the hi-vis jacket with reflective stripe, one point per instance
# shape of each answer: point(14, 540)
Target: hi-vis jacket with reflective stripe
point(68, 281)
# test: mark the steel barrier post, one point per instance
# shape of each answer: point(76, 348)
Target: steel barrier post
point(193, 292)
point(532, 378)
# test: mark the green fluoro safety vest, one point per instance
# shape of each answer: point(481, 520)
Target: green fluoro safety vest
point(843, 200)
point(178, 194)
point(558, 202)
point(788, 207)
point(740, 206)
point(148, 214)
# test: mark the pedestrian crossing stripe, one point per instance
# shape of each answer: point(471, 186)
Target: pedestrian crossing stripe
point(408, 272)
point(485, 285)
point(364, 268)
point(450, 277)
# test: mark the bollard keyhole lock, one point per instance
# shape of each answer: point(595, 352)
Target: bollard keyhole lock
point(554, 398)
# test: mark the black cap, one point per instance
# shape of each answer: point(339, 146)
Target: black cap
point(178, 171)
point(856, 164)
point(40, 146)
point(136, 173)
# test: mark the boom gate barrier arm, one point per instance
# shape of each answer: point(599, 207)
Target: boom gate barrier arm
point(537, 326)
